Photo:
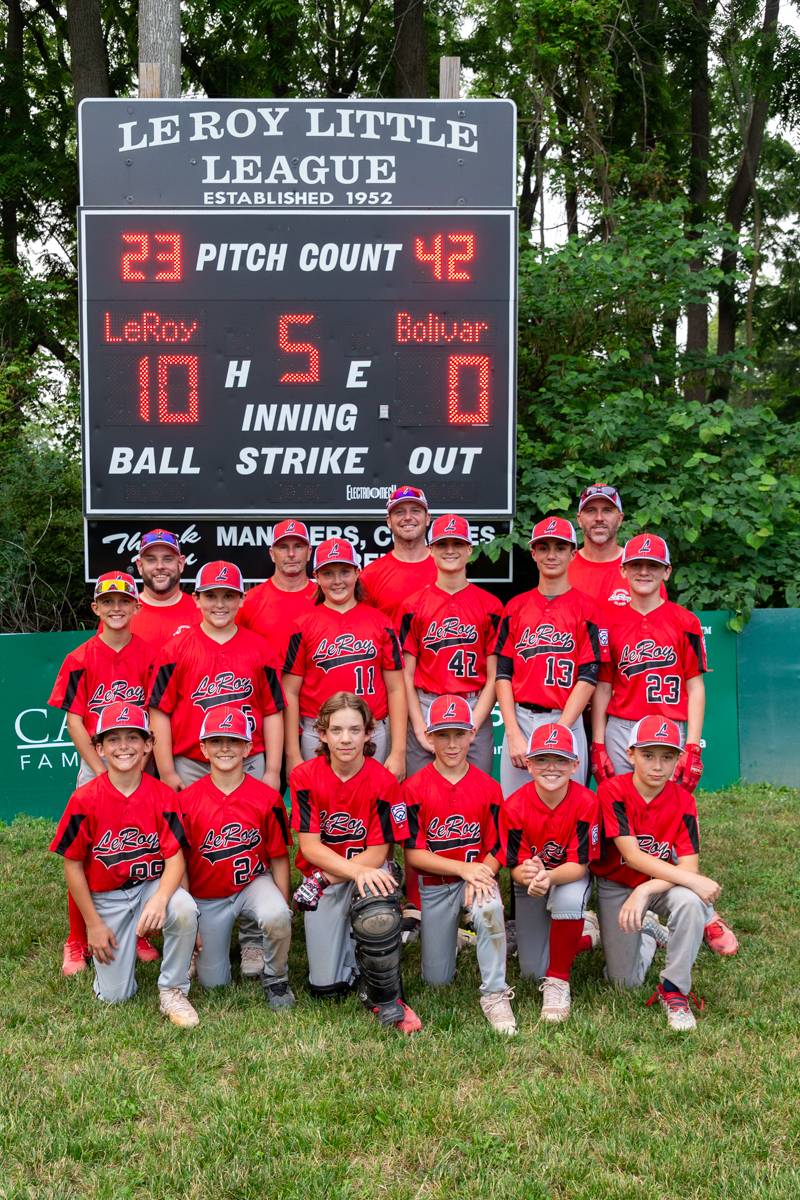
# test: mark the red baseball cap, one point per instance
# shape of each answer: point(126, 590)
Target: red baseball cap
point(655, 731)
point(450, 526)
point(160, 537)
point(407, 494)
point(116, 581)
point(336, 550)
point(558, 528)
point(449, 712)
point(219, 575)
point(291, 528)
point(226, 721)
point(553, 739)
point(646, 545)
point(123, 715)
point(600, 491)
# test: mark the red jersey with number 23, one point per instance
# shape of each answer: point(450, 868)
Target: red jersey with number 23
point(652, 656)
point(450, 635)
point(94, 675)
point(570, 832)
point(665, 827)
point(348, 814)
point(545, 645)
point(455, 820)
point(231, 838)
point(337, 651)
point(121, 840)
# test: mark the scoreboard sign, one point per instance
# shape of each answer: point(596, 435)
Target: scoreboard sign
point(242, 363)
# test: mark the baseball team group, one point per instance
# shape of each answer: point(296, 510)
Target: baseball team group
point(369, 694)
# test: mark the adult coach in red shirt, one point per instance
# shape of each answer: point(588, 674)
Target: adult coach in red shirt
point(271, 608)
point(164, 610)
point(595, 569)
point(409, 566)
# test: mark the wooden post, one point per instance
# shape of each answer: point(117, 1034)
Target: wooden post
point(449, 78)
point(149, 80)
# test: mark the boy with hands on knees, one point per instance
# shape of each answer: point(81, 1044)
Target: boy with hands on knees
point(650, 861)
point(452, 819)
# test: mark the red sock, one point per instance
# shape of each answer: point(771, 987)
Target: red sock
point(412, 887)
point(565, 941)
point(585, 943)
point(77, 925)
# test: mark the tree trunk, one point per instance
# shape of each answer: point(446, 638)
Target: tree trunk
point(12, 122)
point(700, 84)
point(410, 49)
point(160, 42)
point(568, 162)
point(742, 190)
point(87, 50)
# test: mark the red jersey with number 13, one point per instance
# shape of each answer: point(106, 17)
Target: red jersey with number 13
point(546, 645)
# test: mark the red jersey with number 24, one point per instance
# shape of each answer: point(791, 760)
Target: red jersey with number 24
point(231, 838)
point(450, 635)
point(94, 675)
point(121, 840)
point(348, 814)
point(665, 827)
point(570, 832)
point(455, 820)
point(652, 656)
point(545, 645)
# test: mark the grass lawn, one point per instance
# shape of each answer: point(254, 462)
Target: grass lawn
point(319, 1102)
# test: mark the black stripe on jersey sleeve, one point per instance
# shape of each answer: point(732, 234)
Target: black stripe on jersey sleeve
point(397, 654)
point(412, 816)
point(176, 829)
point(696, 642)
point(583, 842)
point(292, 650)
point(512, 848)
point(405, 625)
point(588, 672)
point(70, 833)
point(622, 818)
point(304, 806)
point(505, 667)
point(502, 635)
point(73, 683)
point(275, 689)
point(594, 638)
point(690, 821)
point(279, 813)
point(385, 818)
point(495, 619)
point(161, 683)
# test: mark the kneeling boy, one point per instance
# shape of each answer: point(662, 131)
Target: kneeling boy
point(237, 857)
point(121, 839)
point(452, 821)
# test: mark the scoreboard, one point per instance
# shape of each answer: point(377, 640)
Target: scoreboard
point(265, 363)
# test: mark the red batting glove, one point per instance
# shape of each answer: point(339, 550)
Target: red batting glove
point(689, 770)
point(602, 766)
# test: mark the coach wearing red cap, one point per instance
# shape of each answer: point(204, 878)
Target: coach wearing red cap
point(271, 608)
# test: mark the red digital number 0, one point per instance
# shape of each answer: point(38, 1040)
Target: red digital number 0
point(311, 375)
point(456, 364)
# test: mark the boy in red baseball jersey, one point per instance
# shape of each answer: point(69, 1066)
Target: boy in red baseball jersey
point(215, 664)
point(388, 581)
point(271, 608)
point(548, 654)
point(448, 631)
point(347, 810)
point(650, 861)
point(237, 857)
point(109, 667)
point(549, 834)
point(121, 839)
point(452, 819)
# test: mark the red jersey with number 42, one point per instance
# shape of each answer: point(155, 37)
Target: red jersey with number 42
point(343, 652)
point(450, 636)
point(455, 820)
point(348, 814)
point(652, 656)
point(665, 827)
point(388, 582)
point(271, 613)
point(193, 674)
point(547, 645)
point(231, 839)
point(570, 832)
point(121, 840)
point(93, 676)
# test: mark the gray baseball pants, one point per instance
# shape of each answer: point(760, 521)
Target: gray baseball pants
point(563, 902)
point(629, 955)
point(512, 778)
point(480, 753)
point(442, 905)
point(120, 910)
point(309, 739)
point(618, 732)
point(261, 901)
point(329, 940)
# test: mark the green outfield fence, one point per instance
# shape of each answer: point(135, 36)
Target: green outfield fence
point(750, 732)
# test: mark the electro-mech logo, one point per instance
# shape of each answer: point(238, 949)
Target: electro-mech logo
point(42, 740)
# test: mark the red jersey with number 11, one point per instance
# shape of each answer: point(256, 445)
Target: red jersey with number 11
point(652, 656)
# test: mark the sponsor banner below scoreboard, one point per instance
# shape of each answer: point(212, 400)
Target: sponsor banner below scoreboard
point(114, 546)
